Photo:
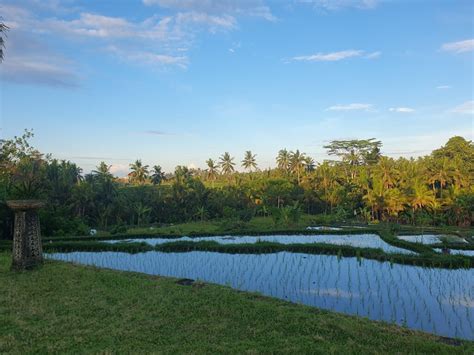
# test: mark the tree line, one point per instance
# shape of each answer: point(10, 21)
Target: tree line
point(360, 183)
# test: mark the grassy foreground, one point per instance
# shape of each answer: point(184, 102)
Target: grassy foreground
point(69, 308)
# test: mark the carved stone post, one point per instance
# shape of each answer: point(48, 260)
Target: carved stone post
point(27, 249)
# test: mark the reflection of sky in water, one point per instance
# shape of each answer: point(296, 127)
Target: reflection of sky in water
point(355, 240)
point(457, 251)
point(435, 300)
point(423, 239)
point(431, 238)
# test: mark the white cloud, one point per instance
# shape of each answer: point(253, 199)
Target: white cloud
point(459, 47)
point(213, 22)
point(329, 57)
point(401, 109)
point(351, 107)
point(465, 108)
point(254, 8)
point(120, 170)
point(443, 87)
point(333, 5)
point(149, 58)
point(373, 55)
point(156, 40)
point(28, 61)
point(335, 56)
point(38, 71)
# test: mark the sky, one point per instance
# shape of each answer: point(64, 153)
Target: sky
point(175, 82)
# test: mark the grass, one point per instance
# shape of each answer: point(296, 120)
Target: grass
point(69, 308)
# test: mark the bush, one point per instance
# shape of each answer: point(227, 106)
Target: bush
point(118, 229)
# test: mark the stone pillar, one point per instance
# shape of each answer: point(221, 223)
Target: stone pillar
point(27, 249)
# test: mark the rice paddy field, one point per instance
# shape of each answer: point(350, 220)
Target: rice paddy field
point(437, 300)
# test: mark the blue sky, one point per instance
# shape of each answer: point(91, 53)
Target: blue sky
point(177, 82)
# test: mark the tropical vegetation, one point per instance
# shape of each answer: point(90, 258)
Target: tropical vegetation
point(360, 184)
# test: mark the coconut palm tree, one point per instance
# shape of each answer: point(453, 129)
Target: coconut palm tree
point(212, 169)
point(326, 180)
point(249, 161)
point(394, 202)
point(310, 165)
point(421, 197)
point(3, 29)
point(157, 175)
point(227, 163)
point(102, 171)
point(441, 175)
point(142, 211)
point(297, 163)
point(385, 168)
point(283, 160)
point(139, 172)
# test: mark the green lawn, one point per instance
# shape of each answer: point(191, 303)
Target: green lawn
point(67, 308)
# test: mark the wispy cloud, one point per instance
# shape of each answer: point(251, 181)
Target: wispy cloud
point(335, 56)
point(373, 55)
point(333, 5)
point(155, 133)
point(443, 87)
point(459, 47)
point(351, 107)
point(255, 8)
point(30, 62)
point(401, 109)
point(157, 41)
point(149, 58)
point(466, 108)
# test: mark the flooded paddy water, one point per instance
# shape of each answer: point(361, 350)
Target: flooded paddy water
point(439, 301)
point(354, 240)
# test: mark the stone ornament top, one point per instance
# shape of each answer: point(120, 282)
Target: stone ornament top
point(24, 205)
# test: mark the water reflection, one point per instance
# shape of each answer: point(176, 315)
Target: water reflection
point(434, 300)
point(355, 240)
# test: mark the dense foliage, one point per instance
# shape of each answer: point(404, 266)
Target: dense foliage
point(362, 184)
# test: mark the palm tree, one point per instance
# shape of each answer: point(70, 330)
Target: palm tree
point(3, 29)
point(283, 160)
point(386, 169)
point(249, 161)
point(139, 172)
point(310, 165)
point(212, 169)
point(297, 163)
point(421, 197)
point(227, 163)
point(326, 179)
point(157, 175)
point(442, 175)
point(142, 211)
point(102, 171)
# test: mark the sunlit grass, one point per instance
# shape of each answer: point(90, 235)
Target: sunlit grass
point(68, 308)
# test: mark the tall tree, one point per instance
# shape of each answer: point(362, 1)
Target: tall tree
point(227, 163)
point(355, 152)
point(139, 173)
point(3, 29)
point(386, 170)
point(157, 175)
point(249, 161)
point(283, 160)
point(212, 169)
point(102, 171)
point(421, 197)
point(297, 163)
